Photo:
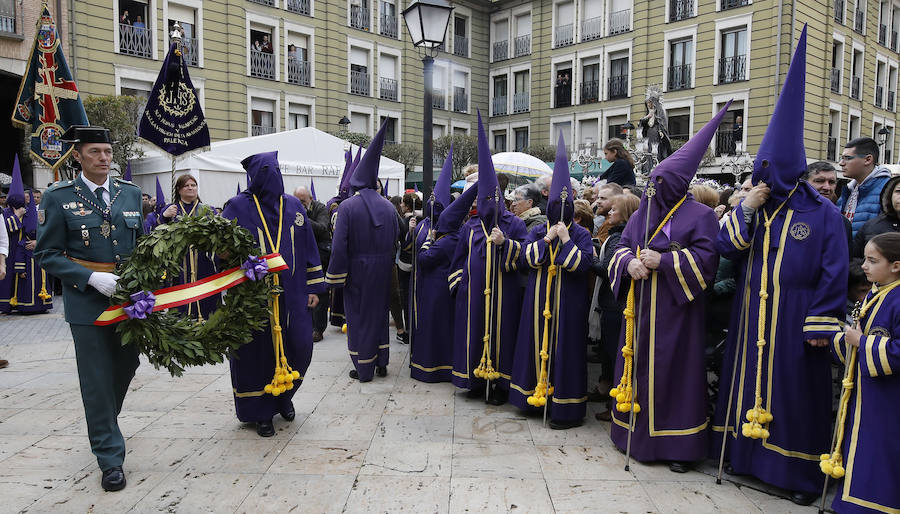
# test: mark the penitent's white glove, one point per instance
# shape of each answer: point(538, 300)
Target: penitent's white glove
point(103, 282)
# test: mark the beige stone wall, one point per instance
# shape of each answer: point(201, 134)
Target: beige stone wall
point(16, 48)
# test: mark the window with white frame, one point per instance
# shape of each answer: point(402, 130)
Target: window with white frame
point(619, 16)
point(589, 89)
point(521, 91)
point(853, 127)
point(136, 28)
point(298, 116)
point(460, 91)
point(615, 127)
point(562, 89)
point(522, 39)
point(360, 122)
point(837, 65)
point(391, 129)
point(388, 19)
point(592, 20)
point(730, 135)
point(681, 57)
point(460, 35)
point(589, 136)
point(521, 135)
point(186, 17)
point(500, 45)
point(564, 31)
point(262, 52)
point(360, 13)
point(834, 128)
point(303, 7)
point(856, 71)
point(359, 71)
point(262, 116)
point(388, 83)
point(892, 88)
point(561, 126)
point(618, 75)
point(438, 130)
point(298, 59)
point(733, 57)
point(679, 123)
point(499, 140)
point(880, 81)
point(500, 98)
point(440, 85)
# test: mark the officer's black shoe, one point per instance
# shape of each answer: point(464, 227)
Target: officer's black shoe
point(679, 466)
point(113, 479)
point(381, 371)
point(564, 425)
point(265, 428)
point(498, 396)
point(475, 393)
point(354, 374)
point(803, 498)
point(289, 414)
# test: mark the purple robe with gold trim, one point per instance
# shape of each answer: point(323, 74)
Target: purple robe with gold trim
point(467, 281)
point(807, 289)
point(255, 363)
point(871, 448)
point(24, 279)
point(670, 354)
point(431, 352)
point(362, 254)
point(569, 307)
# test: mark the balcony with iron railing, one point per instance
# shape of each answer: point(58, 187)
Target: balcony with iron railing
point(262, 65)
point(618, 86)
point(562, 96)
point(855, 88)
point(389, 25)
point(270, 3)
point(681, 10)
point(359, 17)
point(299, 6)
point(135, 41)
point(437, 99)
point(732, 69)
point(894, 40)
point(832, 149)
point(521, 102)
point(564, 35)
point(725, 143)
point(522, 45)
point(10, 19)
point(679, 77)
point(460, 100)
point(590, 91)
point(619, 22)
point(359, 83)
point(388, 89)
point(835, 80)
point(890, 100)
point(732, 4)
point(879, 96)
point(859, 20)
point(839, 11)
point(461, 46)
point(498, 105)
point(501, 50)
point(591, 29)
point(261, 130)
point(190, 50)
point(882, 35)
point(298, 72)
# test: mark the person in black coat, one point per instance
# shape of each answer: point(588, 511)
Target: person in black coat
point(887, 221)
point(317, 213)
point(622, 170)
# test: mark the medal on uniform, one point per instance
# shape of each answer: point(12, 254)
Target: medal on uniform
point(104, 229)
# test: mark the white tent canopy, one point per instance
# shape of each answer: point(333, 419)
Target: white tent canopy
point(305, 155)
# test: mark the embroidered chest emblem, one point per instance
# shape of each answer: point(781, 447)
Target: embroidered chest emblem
point(880, 332)
point(800, 231)
point(299, 221)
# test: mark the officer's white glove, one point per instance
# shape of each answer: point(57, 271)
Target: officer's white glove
point(103, 282)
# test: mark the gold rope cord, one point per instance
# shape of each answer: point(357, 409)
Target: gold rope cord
point(832, 464)
point(485, 367)
point(543, 389)
point(284, 376)
point(623, 392)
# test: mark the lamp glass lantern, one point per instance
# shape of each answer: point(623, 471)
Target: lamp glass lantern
point(427, 21)
point(344, 123)
point(882, 135)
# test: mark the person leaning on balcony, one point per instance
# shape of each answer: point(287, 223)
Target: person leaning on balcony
point(125, 19)
point(860, 199)
point(622, 170)
point(266, 45)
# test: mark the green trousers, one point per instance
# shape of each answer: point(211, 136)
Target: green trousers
point(105, 368)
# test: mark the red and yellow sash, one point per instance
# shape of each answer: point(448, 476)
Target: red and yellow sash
point(184, 294)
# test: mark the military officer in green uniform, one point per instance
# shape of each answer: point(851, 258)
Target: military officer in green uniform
point(85, 227)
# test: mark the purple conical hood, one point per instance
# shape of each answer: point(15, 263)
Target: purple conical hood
point(440, 195)
point(16, 196)
point(344, 184)
point(561, 200)
point(127, 175)
point(490, 203)
point(452, 217)
point(672, 177)
point(264, 175)
point(160, 199)
point(365, 174)
point(312, 189)
point(781, 158)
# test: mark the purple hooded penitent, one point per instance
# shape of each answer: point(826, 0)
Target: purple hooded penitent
point(362, 255)
point(253, 366)
point(804, 260)
point(15, 198)
point(781, 157)
point(440, 196)
point(671, 375)
point(561, 199)
point(490, 198)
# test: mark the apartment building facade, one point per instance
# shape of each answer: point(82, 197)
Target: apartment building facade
point(582, 67)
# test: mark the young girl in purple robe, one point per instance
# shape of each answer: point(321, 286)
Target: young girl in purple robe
point(867, 453)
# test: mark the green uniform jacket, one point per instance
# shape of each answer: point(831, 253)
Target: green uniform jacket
point(69, 226)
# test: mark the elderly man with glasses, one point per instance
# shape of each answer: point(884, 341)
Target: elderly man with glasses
point(860, 199)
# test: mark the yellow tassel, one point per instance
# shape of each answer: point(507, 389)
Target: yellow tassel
point(542, 390)
point(623, 393)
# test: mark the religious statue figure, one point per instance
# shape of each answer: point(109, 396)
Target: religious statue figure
point(654, 129)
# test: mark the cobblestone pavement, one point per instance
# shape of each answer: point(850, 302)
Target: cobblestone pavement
point(391, 445)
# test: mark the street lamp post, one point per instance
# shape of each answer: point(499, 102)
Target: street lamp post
point(882, 136)
point(426, 22)
point(344, 123)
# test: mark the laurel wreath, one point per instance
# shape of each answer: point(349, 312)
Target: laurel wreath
point(170, 339)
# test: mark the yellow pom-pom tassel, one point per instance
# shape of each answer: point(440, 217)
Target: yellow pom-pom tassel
point(837, 471)
point(295, 374)
point(747, 430)
point(826, 467)
point(614, 392)
point(825, 456)
point(288, 386)
point(344, 328)
point(637, 408)
point(268, 389)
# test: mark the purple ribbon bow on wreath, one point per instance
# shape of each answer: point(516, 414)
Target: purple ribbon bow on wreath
point(255, 268)
point(142, 306)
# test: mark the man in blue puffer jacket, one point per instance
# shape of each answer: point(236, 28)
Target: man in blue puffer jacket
point(860, 199)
